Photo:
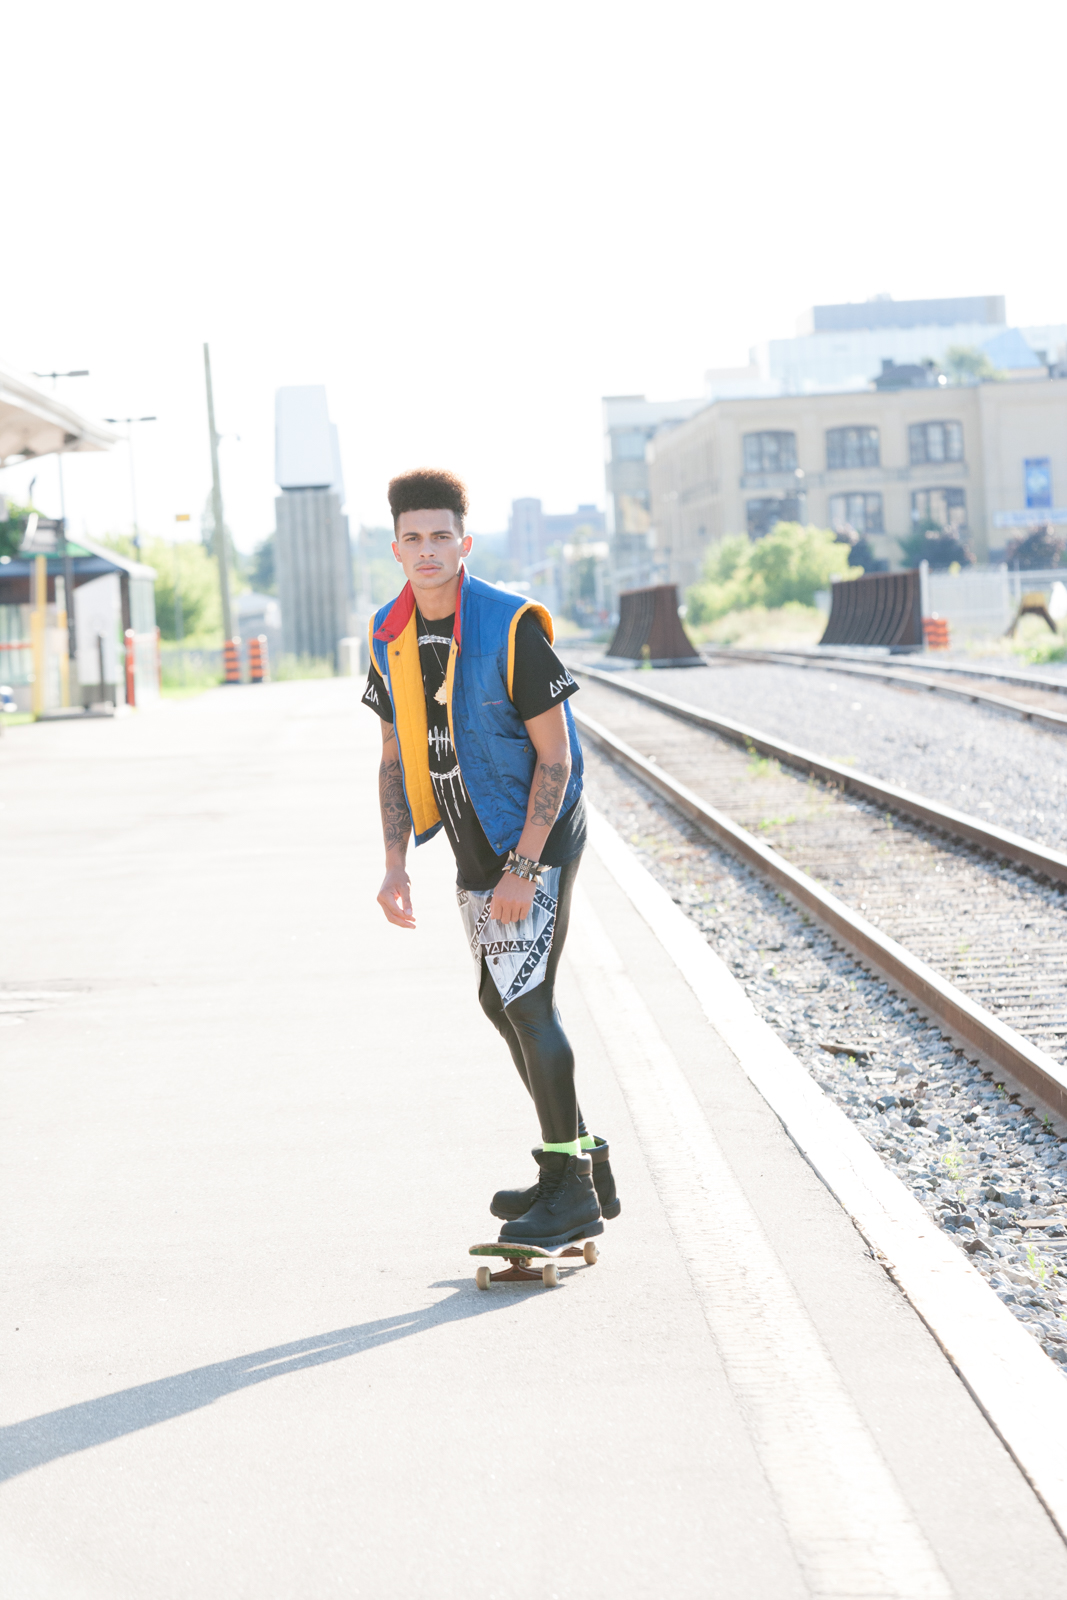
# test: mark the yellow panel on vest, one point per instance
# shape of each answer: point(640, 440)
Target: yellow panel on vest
point(412, 729)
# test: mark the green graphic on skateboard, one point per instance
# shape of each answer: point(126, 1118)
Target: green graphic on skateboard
point(522, 1257)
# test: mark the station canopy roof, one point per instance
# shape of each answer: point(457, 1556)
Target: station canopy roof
point(35, 423)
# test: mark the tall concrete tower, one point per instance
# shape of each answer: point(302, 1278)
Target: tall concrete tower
point(312, 551)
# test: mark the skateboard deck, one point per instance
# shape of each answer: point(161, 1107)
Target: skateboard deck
point(521, 1257)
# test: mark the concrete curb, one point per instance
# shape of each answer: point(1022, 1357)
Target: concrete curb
point(1016, 1386)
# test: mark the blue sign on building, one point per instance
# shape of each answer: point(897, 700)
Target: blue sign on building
point(1038, 478)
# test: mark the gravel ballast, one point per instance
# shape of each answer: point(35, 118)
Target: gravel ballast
point(978, 760)
point(992, 1173)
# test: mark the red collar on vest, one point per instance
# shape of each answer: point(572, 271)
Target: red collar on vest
point(399, 613)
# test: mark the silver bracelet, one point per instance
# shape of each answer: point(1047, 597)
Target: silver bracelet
point(523, 867)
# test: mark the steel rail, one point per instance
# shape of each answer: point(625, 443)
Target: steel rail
point(897, 676)
point(969, 1023)
point(922, 663)
point(998, 841)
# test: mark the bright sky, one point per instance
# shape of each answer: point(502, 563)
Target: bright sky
point(471, 219)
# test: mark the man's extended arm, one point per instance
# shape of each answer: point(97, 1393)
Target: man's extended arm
point(548, 735)
point(394, 896)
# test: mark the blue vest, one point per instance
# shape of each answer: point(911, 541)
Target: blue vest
point(494, 751)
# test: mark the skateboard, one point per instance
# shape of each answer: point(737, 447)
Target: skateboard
point(521, 1257)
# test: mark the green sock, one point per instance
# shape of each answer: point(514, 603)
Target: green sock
point(588, 1142)
point(573, 1147)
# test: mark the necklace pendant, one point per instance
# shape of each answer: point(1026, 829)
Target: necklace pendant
point(442, 694)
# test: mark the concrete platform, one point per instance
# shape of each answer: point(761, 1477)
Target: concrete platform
point(250, 1133)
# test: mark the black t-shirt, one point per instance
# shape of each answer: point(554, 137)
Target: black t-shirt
point(540, 681)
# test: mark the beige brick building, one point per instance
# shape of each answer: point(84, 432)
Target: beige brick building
point(986, 459)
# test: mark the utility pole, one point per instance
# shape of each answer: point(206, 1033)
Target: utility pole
point(216, 504)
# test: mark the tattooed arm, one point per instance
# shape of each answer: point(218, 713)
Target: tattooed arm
point(394, 896)
point(548, 735)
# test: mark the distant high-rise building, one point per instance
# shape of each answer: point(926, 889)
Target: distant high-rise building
point(630, 422)
point(312, 551)
point(980, 310)
point(532, 531)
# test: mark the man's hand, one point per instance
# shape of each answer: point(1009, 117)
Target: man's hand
point(394, 897)
point(512, 898)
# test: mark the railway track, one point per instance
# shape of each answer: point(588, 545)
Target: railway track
point(1029, 698)
point(949, 910)
point(1014, 677)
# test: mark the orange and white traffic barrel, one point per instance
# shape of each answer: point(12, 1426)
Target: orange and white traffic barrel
point(258, 661)
point(131, 668)
point(935, 632)
point(231, 661)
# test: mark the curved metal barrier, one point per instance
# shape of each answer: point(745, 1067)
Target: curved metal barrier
point(881, 608)
point(650, 629)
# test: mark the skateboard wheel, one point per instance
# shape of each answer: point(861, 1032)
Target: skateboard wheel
point(550, 1274)
point(483, 1277)
point(590, 1252)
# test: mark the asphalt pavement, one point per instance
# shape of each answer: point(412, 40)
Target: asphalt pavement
point(250, 1133)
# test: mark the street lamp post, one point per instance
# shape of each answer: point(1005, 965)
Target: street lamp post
point(64, 551)
point(128, 422)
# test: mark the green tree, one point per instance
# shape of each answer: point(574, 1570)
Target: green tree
point(936, 545)
point(790, 564)
point(793, 562)
point(966, 364)
point(1037, 551)
point(13, 528)
point(184, 568)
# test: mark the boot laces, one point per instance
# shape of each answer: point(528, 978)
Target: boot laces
point(549, 1184)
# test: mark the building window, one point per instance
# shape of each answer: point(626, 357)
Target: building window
point(939, 508)
point(770, 452)
point(851, 447)
point(860, 512)
point(762, 515)
point(628, 446)
point(935, 441)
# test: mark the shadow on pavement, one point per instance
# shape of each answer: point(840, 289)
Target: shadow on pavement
point(39, 1440)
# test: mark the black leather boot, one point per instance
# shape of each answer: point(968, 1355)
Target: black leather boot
point(564, 1208)
point(511, 1203)
point(604, 1181)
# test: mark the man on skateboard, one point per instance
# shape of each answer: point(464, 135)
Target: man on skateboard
point(477, 738)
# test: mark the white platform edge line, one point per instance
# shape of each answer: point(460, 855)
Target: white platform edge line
point(850, 1527)
point(1016, 1386)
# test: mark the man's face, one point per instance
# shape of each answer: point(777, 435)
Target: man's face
point(430, 547)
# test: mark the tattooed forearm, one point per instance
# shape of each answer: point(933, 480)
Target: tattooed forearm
point(396, 819)
point(549, 786)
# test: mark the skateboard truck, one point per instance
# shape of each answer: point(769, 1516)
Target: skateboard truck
point(520, 1259)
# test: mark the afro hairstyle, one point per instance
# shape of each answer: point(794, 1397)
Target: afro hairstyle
point(427, 489)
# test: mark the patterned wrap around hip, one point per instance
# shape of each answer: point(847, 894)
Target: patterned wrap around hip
point(516, 953)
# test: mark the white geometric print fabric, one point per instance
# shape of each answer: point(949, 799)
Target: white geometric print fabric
point(516, 953)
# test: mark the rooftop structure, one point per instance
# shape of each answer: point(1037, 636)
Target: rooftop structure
point(306, 450)
point(884, 312)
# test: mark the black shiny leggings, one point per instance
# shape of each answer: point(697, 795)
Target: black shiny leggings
point(531, 1028)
